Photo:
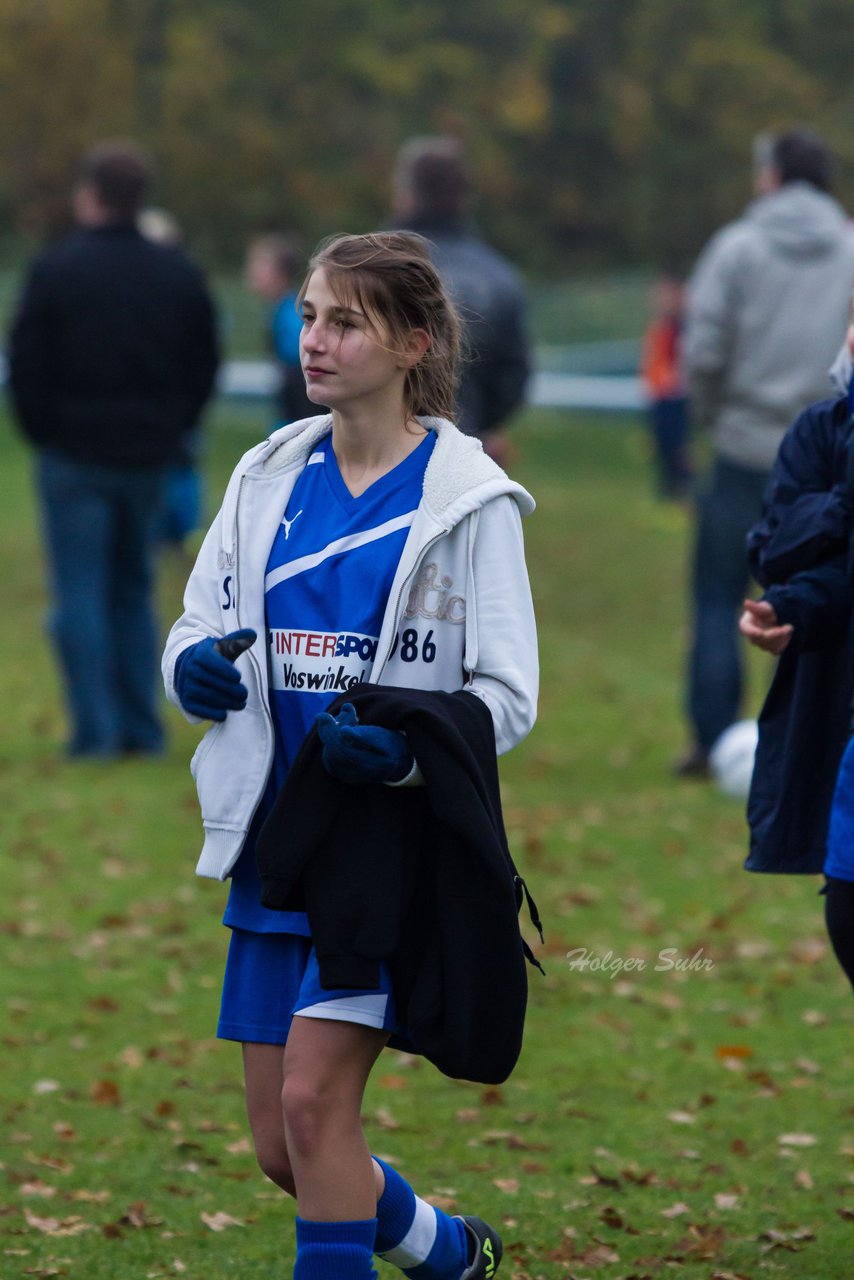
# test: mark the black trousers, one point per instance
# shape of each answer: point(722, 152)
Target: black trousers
point(839, 918)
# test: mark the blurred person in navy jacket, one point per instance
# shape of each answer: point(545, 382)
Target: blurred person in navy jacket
point(666, 388)
point(112, 357)
point(801, 805)
point(432, 192)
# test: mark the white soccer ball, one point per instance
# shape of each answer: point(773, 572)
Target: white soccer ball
point(731, 758)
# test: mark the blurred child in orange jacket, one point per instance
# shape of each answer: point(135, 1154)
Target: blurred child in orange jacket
point(661, 373)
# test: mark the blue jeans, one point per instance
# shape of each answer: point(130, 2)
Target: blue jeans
point(669, 420)
point(101, 529)
point(726, 511)
point(182, 504)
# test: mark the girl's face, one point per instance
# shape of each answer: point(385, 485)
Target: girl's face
point(344, 352)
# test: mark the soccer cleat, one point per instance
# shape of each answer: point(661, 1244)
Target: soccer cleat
point(486, 1249)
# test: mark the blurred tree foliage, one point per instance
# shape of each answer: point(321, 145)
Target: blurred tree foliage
point(600, 131)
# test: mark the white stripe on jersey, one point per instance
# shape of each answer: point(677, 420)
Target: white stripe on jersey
point(315, 458)
point(347, 543)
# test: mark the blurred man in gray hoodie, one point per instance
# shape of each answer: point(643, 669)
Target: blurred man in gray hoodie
point(768, 306)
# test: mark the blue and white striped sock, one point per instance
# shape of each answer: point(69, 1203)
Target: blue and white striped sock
point(419, 1239)
point(335, 1250)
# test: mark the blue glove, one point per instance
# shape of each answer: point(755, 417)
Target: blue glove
point(357, 753)
point(207, 682)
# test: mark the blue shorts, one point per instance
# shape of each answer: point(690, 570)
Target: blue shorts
point(839, 862)
point(270, 977)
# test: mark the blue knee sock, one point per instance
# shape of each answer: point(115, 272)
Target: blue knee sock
point(424, 1242)
point(335, 1250)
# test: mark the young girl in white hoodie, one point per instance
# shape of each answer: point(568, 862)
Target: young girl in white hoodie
point(374, 543)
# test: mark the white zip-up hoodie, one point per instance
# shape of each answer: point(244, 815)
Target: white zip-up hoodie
point(461, 587)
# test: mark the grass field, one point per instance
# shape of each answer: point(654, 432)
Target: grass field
point(692, 1113)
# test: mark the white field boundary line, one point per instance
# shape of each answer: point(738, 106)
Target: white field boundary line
point(257, 380)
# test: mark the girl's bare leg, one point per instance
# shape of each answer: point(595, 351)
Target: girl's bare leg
point(326, 1068)
point(263, 1072)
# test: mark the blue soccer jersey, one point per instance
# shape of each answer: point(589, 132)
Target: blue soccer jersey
point(328, 579)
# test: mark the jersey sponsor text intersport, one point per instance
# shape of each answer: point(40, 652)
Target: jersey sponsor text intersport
point(300, 660)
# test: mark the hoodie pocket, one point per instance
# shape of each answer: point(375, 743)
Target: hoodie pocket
point(230, 768)
point(201, 752)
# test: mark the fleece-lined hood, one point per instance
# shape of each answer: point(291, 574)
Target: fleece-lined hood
point(458, 464)
point(459, 478)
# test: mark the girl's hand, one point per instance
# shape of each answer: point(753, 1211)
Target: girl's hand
point(207, 682)
point(359, 753)
point(760, 625)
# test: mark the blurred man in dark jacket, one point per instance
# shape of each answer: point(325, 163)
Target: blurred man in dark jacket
point(112, 356)
point(431, 197)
